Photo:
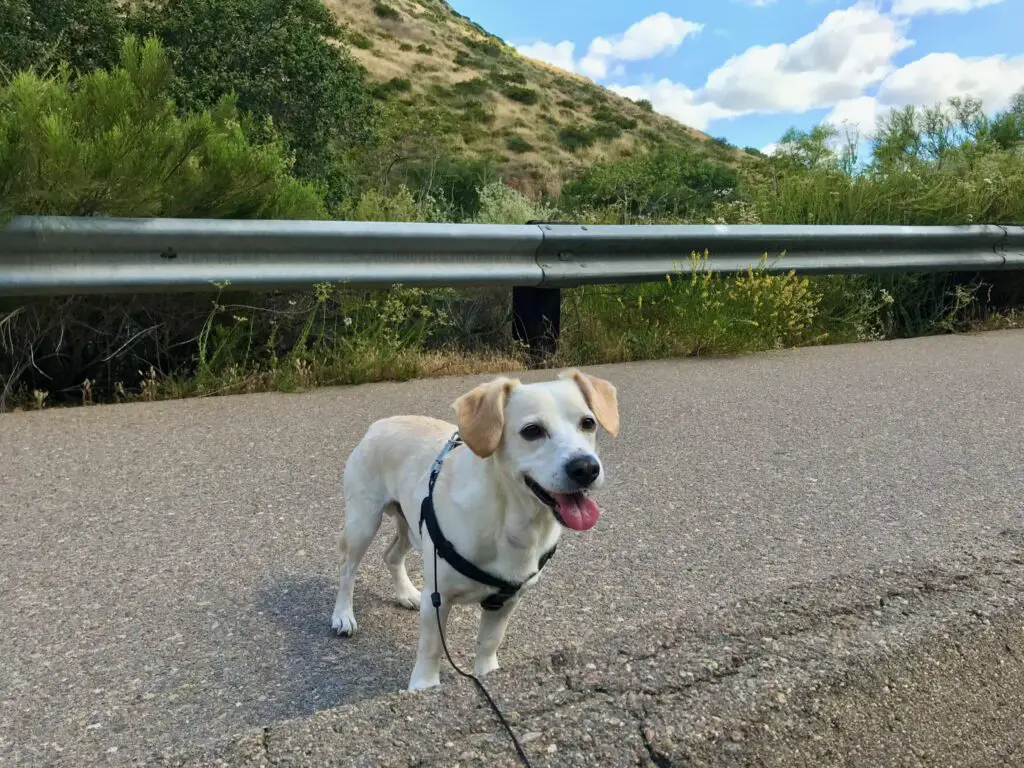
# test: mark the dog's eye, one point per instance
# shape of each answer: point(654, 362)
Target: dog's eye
point(587, 424)
point(532, 432)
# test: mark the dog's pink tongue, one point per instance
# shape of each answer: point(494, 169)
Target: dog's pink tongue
point(578, 512)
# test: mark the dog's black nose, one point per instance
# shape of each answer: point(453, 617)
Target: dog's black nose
point(583, 470)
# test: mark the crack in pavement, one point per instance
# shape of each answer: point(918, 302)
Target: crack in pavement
point(722, 691)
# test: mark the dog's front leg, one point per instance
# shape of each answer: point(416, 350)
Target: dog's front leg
point(427, 672)
point(490, 635)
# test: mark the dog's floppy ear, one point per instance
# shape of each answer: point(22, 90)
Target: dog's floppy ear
point(481, 415)
point(601, 396)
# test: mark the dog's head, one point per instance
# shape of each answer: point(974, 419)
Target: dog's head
point(543, 437)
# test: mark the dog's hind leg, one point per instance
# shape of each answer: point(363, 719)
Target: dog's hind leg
point(406, 593)
point(362, 520)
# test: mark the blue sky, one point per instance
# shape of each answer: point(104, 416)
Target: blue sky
point(747, 70)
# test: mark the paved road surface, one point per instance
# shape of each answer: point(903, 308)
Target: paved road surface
point(167, 570)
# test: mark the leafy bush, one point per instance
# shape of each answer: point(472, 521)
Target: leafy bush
point(359, 40)
point(520, 94)
point(605, 114)
point(693, 312)
point(112, 143)
point(515, 77)
point(574, 137)
point(651, 184)
point(645, 105)
point(488, 47)
point(477, 112)
point(475, 87)
point(500, 204)
point(276, 59)
point(518, 144)
point(40, 35)
point(394, 85)
point(385, 11)
point(605, 131)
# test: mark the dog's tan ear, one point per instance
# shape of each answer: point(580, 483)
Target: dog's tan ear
point(601, 396)
point(481, 415)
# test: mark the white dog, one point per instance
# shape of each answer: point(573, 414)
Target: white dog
point(497, 509)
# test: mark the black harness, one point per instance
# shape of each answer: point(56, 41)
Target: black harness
point(444, 548)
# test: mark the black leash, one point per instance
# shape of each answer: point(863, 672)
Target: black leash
point(427, 512)
point(435, 599)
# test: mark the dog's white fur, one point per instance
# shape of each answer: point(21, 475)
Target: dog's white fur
point(482, 502)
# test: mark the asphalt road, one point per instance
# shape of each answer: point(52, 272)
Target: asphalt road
point(167, 570)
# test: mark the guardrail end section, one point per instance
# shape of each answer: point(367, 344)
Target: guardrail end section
point(537, 320)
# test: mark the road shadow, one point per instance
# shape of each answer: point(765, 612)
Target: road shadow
point(310, 668)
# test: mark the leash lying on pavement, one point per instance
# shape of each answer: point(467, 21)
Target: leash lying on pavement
point(435, 597)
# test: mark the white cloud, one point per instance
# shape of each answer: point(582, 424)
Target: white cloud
point(646, 39)
point(836, 66)
point(860, 113)
point(560, 54)
point(932, 79)
point(940, 76)
point(677, 101)
point(850, 50)
point(917, 7)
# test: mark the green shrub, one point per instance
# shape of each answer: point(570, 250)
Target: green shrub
point(425, 49)
point(659, 183)
point(112, 143)
point(645, 105)
point(394, 85)
point(40, 35)
point(500, 204)
point(477, 112)
point(385, 11)
point(514, 77)
point(518, 144)
point(574, 137)
point(475, 87)
point(692, 312)
point(359, 40)
point(488, 47)
point(520, 94)
point(605, 131)
point(276, 59)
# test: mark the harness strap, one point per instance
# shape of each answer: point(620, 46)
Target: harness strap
point(446, 550)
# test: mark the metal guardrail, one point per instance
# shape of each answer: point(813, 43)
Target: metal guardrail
point(70, 255)
point(52, 256)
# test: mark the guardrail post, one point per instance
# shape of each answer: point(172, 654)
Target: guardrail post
point(537, 320)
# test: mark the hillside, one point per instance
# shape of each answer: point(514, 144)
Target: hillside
point(538, 121)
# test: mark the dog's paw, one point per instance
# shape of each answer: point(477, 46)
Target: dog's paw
point(424, 684)
point(344, 624)
point(408, 597)
point(485, 666)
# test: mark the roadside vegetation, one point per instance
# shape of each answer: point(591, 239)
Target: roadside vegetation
point(107, 112)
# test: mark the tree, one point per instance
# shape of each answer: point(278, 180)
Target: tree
point(278, 57)
point(112, 143)
point(664, 182)
point(38, 35)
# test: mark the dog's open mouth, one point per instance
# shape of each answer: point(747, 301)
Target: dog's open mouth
point(573, 510)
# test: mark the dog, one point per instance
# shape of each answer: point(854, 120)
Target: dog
point(515, 471)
